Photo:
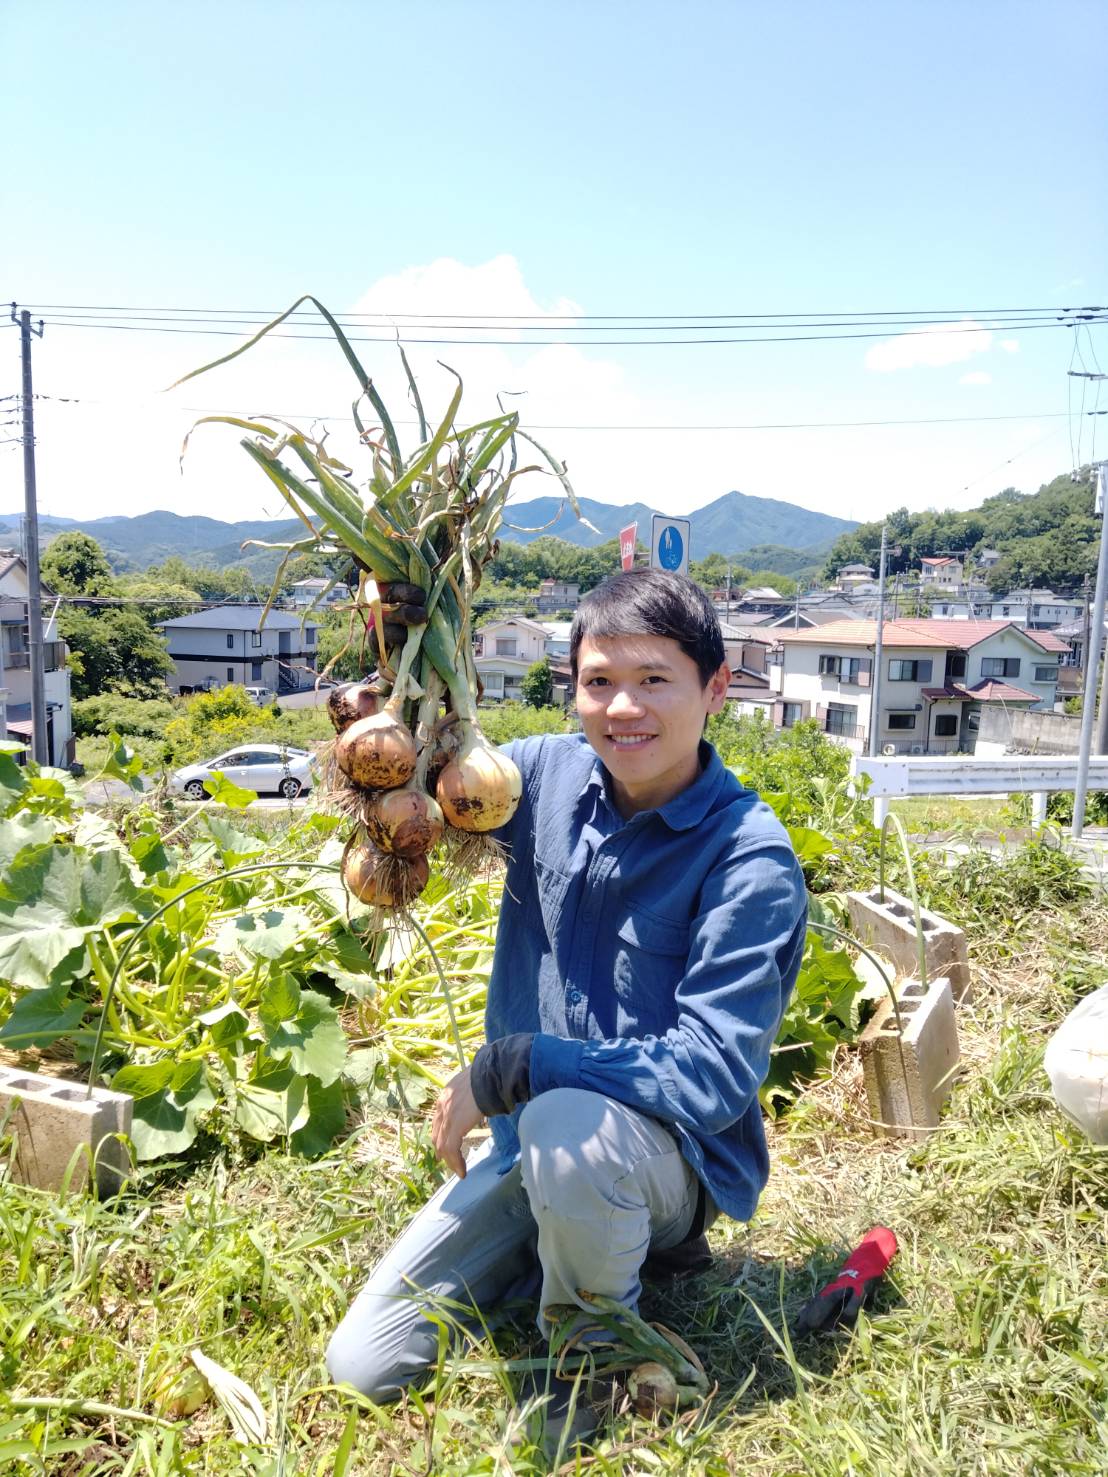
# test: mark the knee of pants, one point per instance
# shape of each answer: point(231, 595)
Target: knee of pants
point(562, 1142)
point(351, 1360)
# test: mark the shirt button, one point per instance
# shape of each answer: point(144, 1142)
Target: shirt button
point(574, 996)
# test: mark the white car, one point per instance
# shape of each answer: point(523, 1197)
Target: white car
point(263, 697)
point(273, 768)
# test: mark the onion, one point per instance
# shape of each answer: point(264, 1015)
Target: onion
point(385, 881)
point(377, 753)
point(407, 821)
point(351, 701)
point(652, 1388)
point(480, 789)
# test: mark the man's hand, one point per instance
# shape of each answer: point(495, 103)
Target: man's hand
point(455, 1113)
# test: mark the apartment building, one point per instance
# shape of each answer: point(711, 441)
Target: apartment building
point(230, 643)
point(1039, 610)
point(937, 678)
point(15, 665)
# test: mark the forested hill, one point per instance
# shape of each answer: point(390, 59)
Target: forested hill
point(1047, 538)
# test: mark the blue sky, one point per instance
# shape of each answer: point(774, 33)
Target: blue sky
point(596, 158)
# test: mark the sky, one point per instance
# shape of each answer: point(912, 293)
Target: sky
point(553, 170)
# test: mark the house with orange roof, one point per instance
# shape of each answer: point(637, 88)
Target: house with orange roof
point(937, 676)
point(942, 572)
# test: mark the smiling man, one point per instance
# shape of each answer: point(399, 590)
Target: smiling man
point(650, 933)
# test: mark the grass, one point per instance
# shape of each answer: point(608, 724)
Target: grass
point(927, 813)
point(986, 1352)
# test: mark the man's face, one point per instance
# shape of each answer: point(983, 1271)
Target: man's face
point(642, 708)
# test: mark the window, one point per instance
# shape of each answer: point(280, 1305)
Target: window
point(955, 664)
point(1000, 666)
point(309, 636)
point(255, 671)
point(505, 646)
point(1046, 674)
point(230, 642)
point(905, 671)
point(255, 638)
point(946, 725)
point(852, 669)
point(230, 670)
point(829, 665)
point(841, 719)
point(901, 720)
point(791, 713)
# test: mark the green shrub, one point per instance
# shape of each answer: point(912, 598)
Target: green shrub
point(127, 716)
point(508, 721)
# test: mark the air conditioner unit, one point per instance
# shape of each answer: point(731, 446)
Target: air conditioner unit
point(888, 749)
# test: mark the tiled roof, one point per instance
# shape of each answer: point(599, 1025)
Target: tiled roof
point(237, 618)
point(922, 633)
point(938, 561)
point(988, 691)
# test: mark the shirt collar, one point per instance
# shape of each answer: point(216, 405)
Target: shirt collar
point(685, 810)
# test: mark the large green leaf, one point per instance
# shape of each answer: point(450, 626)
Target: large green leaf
point(226, 1023)
point(122, 764)
point(314, 1040)
point(272, 1105)
point(22, 831)
point(51, 900)
point(265, 935)
point(166, 1122)
point(326, 1119)
point(13, 781)
point(226, 792)
point(234, 845)
point(146, 1079)
point(42, 1016)
point(280, 1001)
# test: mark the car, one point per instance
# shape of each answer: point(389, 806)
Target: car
point(263, 696)
point(266, 768)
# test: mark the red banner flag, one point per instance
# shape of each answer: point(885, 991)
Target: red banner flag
point(627, 546)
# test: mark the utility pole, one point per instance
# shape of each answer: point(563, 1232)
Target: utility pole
point(729, 592)
point(796, 610)
point(1092, 653)
point(875, 700)
point(40, 750)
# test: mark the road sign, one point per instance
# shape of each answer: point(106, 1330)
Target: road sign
point(669, 544)
point(627, 546)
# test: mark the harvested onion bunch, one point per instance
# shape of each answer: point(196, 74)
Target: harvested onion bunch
point(409, 764)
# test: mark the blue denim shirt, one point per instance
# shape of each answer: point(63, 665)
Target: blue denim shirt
point(652, 957)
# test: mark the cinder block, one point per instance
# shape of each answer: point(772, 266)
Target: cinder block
point(909, 1075)
point(52, 1120)
point(889, 927)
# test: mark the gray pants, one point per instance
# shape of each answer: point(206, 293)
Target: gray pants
point(597, 1186)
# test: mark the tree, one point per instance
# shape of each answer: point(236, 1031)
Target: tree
point(114, 651)
point(75, 564)
point(537, 686)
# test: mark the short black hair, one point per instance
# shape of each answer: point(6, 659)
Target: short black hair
point(651, 602)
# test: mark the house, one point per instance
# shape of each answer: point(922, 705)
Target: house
point(853, 575)
point(937, 676)
point(1039, 610)
point(314, 593)
point(230, 643)
point(504, 650)
point(553, 595)
point(987, 559)
point(941, 573)
point(15, 665)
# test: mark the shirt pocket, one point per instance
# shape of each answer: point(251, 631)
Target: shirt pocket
point(651, 953)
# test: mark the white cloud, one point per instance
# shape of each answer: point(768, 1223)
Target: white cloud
point(1009, 345)
point(977, 377)
point(948, 343)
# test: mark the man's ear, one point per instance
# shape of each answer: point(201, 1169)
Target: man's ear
point(718, 684)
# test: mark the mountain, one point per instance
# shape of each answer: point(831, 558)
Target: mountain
point(731, 525)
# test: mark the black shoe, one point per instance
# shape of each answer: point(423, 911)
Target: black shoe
point(679, 1261)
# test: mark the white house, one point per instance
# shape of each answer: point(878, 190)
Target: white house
point(941, 573)
point(503, 651)
point(1039, 610)
point(229, 643)
point(309, 593)
point(853, 575)
point(555, 595)
point(936, 678)
point(15, 664)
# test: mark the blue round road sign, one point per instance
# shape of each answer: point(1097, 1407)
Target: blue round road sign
point(671, 548)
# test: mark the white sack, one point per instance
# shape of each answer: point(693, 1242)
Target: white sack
point(1076, 1062)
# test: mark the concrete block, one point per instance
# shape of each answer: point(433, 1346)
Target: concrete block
point(889, 928)
point(52, 1120)
point(909, 1076)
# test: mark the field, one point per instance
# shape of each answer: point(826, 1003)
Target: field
point(985, 1353)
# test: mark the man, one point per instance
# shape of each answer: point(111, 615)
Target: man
point(651, 931)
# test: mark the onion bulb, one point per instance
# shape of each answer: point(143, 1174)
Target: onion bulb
point(406, 821)
point(351, 701)
point(376, 753)
point(652, 1388)
point(384, 881)
point(480, 789)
